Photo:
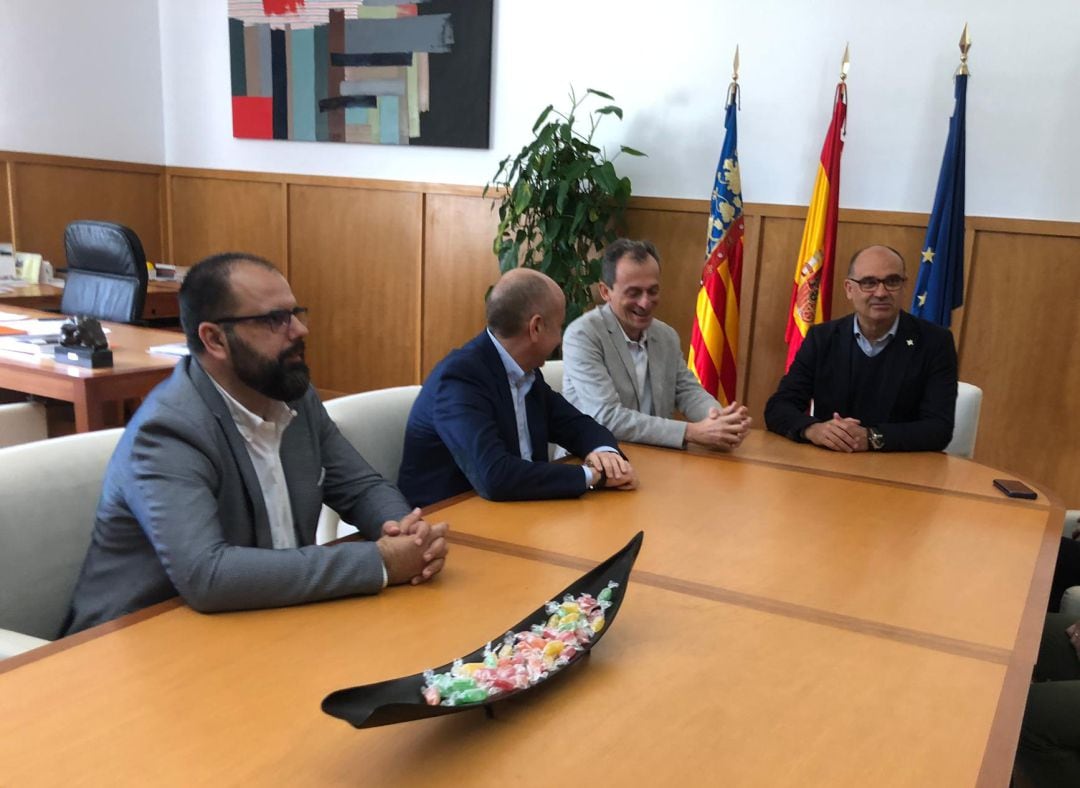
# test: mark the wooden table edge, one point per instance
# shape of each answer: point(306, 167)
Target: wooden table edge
point(63, 644)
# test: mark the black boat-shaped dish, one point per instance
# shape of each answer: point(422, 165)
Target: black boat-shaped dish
point(402, 700)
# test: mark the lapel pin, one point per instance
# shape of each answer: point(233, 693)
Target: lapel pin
point(911, 343)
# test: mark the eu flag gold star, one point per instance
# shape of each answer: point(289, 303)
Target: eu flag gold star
point(922, 299)
point(928, 255)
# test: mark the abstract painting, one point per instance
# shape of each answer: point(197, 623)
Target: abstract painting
point(386, 72)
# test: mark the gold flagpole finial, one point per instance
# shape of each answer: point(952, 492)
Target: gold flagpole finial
point(965, 45)
point(733, 88)
point(846, 63)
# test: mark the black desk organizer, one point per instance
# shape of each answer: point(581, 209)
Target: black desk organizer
point(400, 700)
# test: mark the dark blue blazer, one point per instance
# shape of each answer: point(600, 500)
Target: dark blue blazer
point(462, 434)
point(920, 384)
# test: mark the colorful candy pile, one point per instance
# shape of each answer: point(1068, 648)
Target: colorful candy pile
point(523, 658)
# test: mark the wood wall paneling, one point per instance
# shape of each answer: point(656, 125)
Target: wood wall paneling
point(770, 292)
point(48, 197)
point(211, 215)
point(354, 260)
point(459, 266)
point(1021, 345)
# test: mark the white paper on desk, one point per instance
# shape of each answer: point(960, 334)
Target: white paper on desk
point(171, 349)
point(7, 267)
point(11, 317)
point(31, 345)
point(36, 327)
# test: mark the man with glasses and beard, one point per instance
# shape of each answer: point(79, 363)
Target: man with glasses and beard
point(879, 380)
point(215, 488)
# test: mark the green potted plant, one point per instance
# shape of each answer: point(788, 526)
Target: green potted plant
point(561, 201)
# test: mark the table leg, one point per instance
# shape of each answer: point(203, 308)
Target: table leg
point(89, 410)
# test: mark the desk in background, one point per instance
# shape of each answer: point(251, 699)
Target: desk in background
point(787, 624)
point(161, 299)
point(133, 374)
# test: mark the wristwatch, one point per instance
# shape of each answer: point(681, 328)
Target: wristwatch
point(875, 438)
point(599, 478)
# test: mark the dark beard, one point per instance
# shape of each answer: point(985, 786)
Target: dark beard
point(274, 378)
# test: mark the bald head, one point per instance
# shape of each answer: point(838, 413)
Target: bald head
point(520, 294)
point(877, 252)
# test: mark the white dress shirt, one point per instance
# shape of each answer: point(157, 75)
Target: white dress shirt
point(263, 440)
point(639, 354)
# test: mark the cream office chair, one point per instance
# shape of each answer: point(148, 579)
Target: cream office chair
point(373, 422)
point(968, 406)
point(50, 491)
point(22, 422)
point(553, 374)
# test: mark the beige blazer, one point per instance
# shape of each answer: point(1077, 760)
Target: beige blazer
point(599, 379)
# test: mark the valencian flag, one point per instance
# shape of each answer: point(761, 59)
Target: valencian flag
point(940, 286)
point(811, 295)
point(714, 338)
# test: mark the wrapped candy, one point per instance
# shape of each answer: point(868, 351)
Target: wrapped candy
point(523, 658)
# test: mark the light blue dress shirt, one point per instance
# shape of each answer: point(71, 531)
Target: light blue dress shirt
point(871, 347)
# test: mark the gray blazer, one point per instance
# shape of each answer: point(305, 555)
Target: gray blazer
point(182, 512)
point(599, 379)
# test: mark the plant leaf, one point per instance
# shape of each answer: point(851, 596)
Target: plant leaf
point(605, 177)
point(543, 117)
point(508, 259)
point(631, 151)
point(610, 109)
point(560, 200)
point(522, 196)
point(600, 93)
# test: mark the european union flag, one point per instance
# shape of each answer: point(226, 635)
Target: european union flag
point(940, 286)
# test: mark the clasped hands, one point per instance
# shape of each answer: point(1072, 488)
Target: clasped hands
point(616, 468)
point(413, 551)
point(839, 434)
point(721, 429)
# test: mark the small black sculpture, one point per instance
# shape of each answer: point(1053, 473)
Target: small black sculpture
point(83, 331)
point(83, 343)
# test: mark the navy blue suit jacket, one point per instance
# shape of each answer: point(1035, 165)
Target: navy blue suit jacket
point(462, 434)
point(920, 385)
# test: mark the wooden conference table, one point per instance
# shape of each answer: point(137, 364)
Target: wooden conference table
point(133, 374)
point(795, 618)
point(161, 299)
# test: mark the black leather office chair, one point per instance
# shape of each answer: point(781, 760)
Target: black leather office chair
point(106, 272)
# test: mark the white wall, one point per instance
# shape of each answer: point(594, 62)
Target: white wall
point(81, 79)
point(667, 64)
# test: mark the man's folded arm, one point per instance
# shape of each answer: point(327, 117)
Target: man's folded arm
point(690, 397)
point(786, 410)
point(463, 418)
point(175, 502)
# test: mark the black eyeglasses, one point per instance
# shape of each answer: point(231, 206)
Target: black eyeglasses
point(275, 319)
point(869, 284)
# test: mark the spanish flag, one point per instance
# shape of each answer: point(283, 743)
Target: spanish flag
point(811, 294)
point(714, 338)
